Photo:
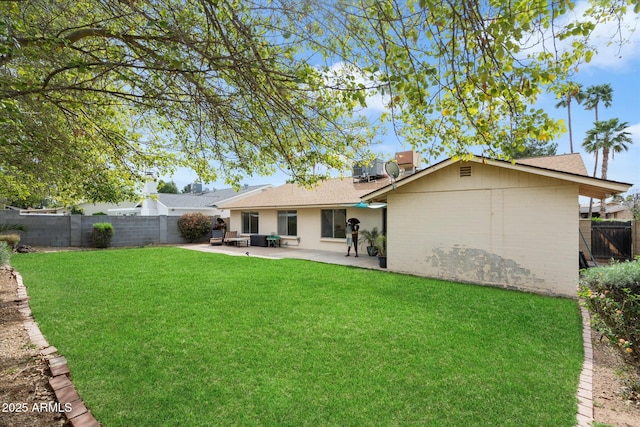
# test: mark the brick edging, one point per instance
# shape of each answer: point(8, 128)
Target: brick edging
point(68, 399)
point(585, 387)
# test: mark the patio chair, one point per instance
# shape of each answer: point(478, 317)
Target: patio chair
point(217, 237)
point(232, 237)
point(228, 236)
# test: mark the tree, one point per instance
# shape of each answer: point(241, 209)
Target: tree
point(167, 187)
point(533, 148)
point(570, 92)
point(611, 137)
point(92, 93)
point(592, 146)
point(592, 98)
point(632, 201)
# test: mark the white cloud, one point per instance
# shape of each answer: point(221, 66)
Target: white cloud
point(376, 102)
point(606, 38)
point(634, 130)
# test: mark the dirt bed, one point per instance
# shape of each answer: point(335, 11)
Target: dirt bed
point(26, 399)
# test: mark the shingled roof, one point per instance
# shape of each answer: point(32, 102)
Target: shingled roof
point(568, 167)
point(332, 192)
point(203, 200)
point(571, 163)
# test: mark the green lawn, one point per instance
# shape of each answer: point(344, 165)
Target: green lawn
point(167, 337)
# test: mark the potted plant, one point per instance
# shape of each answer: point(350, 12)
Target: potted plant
point(381, 247)
point(370, 237)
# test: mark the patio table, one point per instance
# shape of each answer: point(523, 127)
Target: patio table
point(272, 240)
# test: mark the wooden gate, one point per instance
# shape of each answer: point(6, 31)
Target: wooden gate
point(611, 239)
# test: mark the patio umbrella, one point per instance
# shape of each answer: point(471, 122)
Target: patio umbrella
point(354, 220)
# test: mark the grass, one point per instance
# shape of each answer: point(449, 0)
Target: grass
point(166, 336)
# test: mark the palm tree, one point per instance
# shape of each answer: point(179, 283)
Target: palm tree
point(571, 91)
point(595, 95)
point(592, 146)
point(592, 98)
point(611, 136)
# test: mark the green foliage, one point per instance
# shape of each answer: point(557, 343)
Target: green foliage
point(98, 214)
point(13, 227)
point(193, 226)
point(94, 94)
point(380, 243)
point(101, 234)
point(532, 148)
point(612, 295)
point(568, 92)
point(10, 239)
point(76, 210)
point(633, 203)
point(370, 236)
point(167, 187)
point(611, 137)
point(5, 254)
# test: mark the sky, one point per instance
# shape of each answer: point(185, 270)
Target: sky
point(619, 67)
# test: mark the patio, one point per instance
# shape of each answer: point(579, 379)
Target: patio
point(329, 257)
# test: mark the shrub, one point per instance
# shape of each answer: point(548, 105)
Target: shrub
point(5, 254)
point(612, 294)
point(76, 210)
point(99, 214)
point(193, 226)
point(12, 227)
point(11, 240)
point(101, 234)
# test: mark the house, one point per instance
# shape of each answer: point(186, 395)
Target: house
point(613, 210)
point(311, 218)
point(169, 204)
point(205, 202)
point(480, 221)
point(152, 203)
point(124, 208)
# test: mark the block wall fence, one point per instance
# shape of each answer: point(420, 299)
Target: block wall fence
point(74, 230)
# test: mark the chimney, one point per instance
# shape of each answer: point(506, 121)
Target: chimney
point(410, 161)
point(150, 194)
point(150, 184)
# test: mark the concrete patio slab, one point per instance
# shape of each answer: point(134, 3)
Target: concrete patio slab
point(328, 257)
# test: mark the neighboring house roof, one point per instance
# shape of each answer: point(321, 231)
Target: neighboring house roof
point(571, 163)
point(208, 199)
point(566, 168)
point(332, 192)
point(609, 208)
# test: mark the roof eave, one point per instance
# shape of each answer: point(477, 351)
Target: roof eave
point(588, 186)
point(298, 206)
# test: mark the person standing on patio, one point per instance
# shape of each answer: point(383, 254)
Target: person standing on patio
point(352, 235)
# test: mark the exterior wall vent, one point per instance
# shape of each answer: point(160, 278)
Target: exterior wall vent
point(465, 171)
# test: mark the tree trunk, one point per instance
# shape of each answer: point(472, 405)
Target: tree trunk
point(605, 167)
point(595, 172)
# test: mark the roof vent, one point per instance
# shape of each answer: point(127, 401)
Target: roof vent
point(465, 171)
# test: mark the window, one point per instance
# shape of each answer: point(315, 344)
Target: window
point(334, 223)
point(288, 223)
point(250, 222)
